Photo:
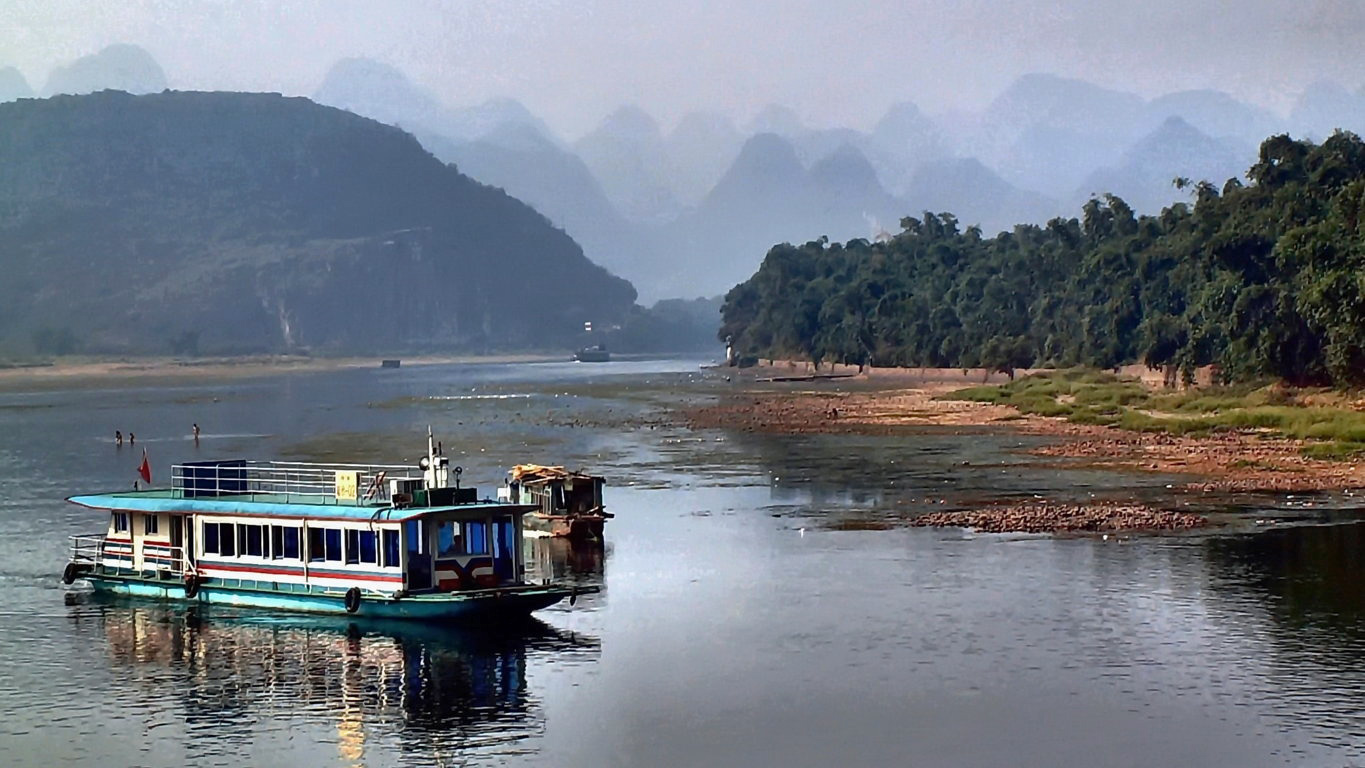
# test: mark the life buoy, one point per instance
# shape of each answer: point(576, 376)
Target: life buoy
point(70, 573)
point(191, 586)
point(353, 599)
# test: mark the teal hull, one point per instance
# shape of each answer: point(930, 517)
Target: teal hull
point(451, 606)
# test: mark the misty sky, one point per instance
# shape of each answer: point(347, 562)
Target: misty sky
point(834, 61)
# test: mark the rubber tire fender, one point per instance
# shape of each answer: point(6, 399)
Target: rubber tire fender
point(191, 587)
point(70, 573)
point(353, 599)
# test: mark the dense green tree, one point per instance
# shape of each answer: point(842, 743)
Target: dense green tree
point(1265, 279)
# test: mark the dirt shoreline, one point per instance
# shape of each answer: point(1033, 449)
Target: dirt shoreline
point(890, 402)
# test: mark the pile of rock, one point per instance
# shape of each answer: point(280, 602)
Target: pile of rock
point(1062, 518)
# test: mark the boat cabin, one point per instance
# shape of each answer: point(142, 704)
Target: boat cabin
point(554, 490)
point(288, 527)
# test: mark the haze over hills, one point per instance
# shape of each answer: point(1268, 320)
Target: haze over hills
point(13, 85)
point(647, 202)
point(628, 156)
point(700, 147)
point(658, 206)
point(226, 222)
point(1144, 176)
point(117, 67)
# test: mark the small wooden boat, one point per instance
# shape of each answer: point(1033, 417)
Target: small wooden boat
point(374, 541)
point(563, 503)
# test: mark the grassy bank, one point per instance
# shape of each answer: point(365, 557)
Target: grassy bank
point(1329, 420)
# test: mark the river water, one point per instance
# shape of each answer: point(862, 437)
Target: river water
point(763, 602)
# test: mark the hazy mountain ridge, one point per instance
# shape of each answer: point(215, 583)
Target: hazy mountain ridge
point(628, 156)
point(644, 201)
point(254, 222)
point(1144, 177)
point(13, 85)
point(116, 67)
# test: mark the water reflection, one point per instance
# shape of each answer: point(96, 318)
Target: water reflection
point(1309, 583)
point(421, 691)
point(1313, 575)
point(557, 559)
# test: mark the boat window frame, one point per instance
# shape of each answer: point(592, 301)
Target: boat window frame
point(316, 554)
point(332, 538)
point(120, 522)
point(361, 536)
point(484, 536)
point(387, 536)
point(244, 533)
point(230, 539)
point(151, 525)
point(461, 542)
point(351, 546)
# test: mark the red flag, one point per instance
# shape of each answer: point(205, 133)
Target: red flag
point(145, 469)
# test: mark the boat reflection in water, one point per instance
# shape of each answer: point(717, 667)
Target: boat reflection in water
point(561, 560)
point(425, 692)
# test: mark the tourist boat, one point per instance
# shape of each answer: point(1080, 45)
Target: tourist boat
point(563, 503)
point(368, 540)
point(595, 354)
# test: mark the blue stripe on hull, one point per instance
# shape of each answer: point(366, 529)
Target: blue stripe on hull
point(425, 608)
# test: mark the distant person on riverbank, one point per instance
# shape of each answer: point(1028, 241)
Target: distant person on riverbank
point(118, 438)
point(196, 431)
point(132, 439)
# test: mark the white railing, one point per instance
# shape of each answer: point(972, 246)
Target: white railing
point(90, 551)
point(87, 549)
point(300, 481)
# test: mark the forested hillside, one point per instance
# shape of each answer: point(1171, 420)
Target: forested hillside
point(1266, 279)
point(229, 222)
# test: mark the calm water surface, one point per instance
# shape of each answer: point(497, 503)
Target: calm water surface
point(762, 602)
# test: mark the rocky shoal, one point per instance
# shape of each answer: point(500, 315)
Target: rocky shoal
point(1065, 518)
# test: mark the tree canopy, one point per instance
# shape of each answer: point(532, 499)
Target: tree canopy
point(1263, 279)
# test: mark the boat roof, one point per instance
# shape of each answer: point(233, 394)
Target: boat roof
point(538, 473)
point(279, 506)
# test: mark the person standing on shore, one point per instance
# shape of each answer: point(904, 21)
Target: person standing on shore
point(196, 433)
point(132, 439)
point(118, 438)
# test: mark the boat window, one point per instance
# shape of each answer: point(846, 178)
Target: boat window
point(315, 548)
point(210, 538)
point(150, 523)
point(476, 538)
point(120, 522)
point(291, 544)
point(276, 542)
point(352, 546)
point(250, 540)
point(332, 540)
point(448, 542)
point(367, 551)
point(455, 538)
point(391, 557)
point(227, 539)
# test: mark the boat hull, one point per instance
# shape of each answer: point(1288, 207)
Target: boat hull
point(575, 527)
point(449, 606)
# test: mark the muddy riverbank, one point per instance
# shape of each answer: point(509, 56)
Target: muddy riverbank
point(1229, 461)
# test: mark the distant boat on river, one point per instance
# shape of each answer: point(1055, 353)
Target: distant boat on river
point(595, 354)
